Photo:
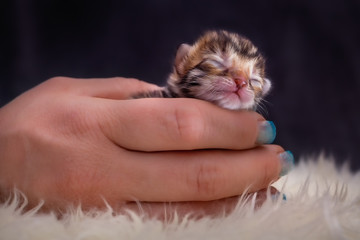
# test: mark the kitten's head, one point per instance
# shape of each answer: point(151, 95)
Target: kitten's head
point(223, 68)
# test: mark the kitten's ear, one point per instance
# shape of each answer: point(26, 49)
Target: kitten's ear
point(266, 87)
point(182, 51)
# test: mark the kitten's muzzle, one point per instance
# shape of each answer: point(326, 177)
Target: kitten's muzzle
point(240, 82)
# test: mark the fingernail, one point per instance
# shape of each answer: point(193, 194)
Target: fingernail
point(267, 132)
point(287, 162)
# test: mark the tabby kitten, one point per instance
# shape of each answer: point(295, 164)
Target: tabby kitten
point(220, 67)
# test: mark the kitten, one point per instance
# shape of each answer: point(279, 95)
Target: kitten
point(220, 67)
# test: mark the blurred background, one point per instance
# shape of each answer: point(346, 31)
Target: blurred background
point(312, 49)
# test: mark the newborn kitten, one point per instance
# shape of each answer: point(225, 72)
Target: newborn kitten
point(220, 67)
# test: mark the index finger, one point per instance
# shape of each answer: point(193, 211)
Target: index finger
point(183, 124)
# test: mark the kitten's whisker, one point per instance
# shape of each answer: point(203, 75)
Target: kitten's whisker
point(209, 70)
point(264, 101)
point(261, 108)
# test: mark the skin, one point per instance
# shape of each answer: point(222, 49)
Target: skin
point(70, 141)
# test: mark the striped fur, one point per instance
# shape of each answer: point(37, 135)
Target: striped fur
point(220, 67)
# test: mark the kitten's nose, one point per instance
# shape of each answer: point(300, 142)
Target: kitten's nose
point(240, 82)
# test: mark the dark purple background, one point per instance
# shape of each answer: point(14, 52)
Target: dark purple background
point(312, 48)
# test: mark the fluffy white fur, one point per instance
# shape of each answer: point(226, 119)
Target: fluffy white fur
point(323, 202)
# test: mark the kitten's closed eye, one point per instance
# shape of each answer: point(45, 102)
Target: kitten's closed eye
point(220, 67)
point(256, 82)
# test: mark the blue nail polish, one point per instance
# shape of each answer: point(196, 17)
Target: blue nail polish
point(284, 197)
point(287, 162)
point(267, 132)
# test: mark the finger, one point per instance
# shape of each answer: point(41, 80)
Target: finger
point(180, 124)
point(195, 176)
point(116, 88)
point(199, 209)
point(112, 88)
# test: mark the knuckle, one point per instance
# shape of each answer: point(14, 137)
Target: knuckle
point(207, 181)
point(60, 84)
point(189, 126)
point(58, 81)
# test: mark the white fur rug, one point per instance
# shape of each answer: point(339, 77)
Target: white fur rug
point(323, 202)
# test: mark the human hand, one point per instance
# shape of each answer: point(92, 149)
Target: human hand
point(68, 141)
